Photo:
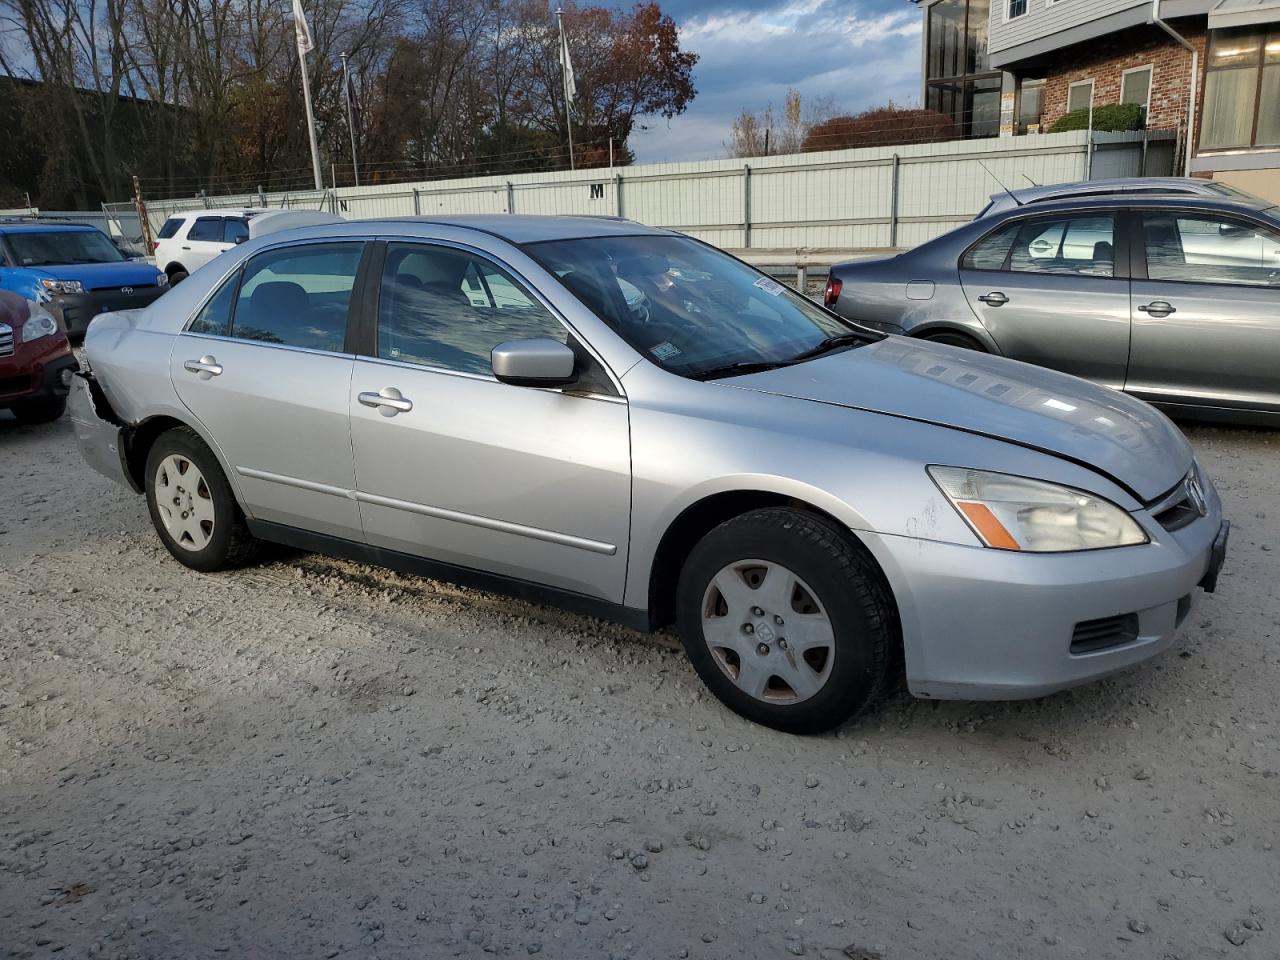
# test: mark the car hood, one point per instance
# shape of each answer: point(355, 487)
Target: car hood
point(95, 276)
point(1129, 441)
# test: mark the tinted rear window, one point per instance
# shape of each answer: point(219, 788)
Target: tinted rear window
point(170, 228)
point(207, 228)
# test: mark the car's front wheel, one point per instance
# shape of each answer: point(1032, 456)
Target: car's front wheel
point(787, 620)
point(192, 506)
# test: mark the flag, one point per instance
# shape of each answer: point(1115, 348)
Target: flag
point(301, 30)
point(353, 105)
point(566, 69)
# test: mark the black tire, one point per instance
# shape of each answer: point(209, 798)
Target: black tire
point(954, 338)
point(231, 544)
point(40, 411)
point(177, 276)
point(847, 585)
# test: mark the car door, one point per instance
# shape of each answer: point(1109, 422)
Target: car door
point(202, 243)
point(1050, 291)
point(265, 369)
point(1206, 310)
point(454, 466)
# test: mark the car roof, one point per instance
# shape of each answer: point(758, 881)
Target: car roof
point(43, 226)
point(1110, 201)
point(534, 228)
point(221, 212)
point(1119, 185)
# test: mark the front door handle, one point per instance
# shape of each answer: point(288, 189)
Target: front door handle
point(1157, 308)
point(206, 367)
point(389, 401)
point(994, 299)
point(186, 248)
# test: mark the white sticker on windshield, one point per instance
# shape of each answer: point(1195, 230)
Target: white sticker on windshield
point(770, 286)
point(665, 350)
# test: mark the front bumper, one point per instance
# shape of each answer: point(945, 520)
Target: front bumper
point(983, 624)
point(42, 379)
point(75, 310)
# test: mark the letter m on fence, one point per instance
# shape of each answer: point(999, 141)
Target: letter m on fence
point(597, 191)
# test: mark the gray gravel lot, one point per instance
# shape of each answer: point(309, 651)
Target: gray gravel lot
point(313, 758)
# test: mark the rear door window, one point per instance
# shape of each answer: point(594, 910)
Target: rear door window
point(215, 316)
point(298, 296)
point(1082, 245)
point(206, 228)
point(234, 230)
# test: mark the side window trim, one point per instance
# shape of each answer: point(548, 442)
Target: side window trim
point(367, 327)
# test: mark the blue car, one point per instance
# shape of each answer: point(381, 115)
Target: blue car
point(73, 270)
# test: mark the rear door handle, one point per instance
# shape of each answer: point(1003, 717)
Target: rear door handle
point(389, 401)
point(186, 248)
point(1157, 308)
point(206, 367)
point(994, 299)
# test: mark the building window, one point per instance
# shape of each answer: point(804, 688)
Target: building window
point(959, 80)
point(1241, 89)
point(1016, 9)
point(1030, 105)
point(1135, 87)
point(1080, 95)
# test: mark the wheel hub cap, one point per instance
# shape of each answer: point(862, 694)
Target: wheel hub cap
point(768, 632)
point(184, 502)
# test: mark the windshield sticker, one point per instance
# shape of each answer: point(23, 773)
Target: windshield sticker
point(770, 286)
point(665, 350)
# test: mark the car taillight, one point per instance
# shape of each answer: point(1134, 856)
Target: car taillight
point(832, 293)
point(155, 245)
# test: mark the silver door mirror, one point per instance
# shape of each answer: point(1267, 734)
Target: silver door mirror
point(537, 362)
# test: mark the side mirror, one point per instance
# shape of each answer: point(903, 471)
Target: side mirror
point(537, 362)
point(239, 240)
point(1231, 230)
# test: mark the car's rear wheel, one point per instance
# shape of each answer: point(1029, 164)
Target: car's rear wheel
point(953, 338)
point(192, 506)
point(40, 411)
point(787, 620)
point(177, 276)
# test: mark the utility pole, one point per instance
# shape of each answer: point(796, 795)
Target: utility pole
point(140, 206)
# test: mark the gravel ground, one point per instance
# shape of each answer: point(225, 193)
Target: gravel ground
point(313, 758)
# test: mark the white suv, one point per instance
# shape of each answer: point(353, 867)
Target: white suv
point(189, 240)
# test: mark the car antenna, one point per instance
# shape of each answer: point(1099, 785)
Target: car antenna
point(1016, 201)
point(1029, 180)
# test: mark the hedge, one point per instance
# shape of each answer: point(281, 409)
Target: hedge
point(1109, 117)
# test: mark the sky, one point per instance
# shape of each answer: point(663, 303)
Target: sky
point(862, 53)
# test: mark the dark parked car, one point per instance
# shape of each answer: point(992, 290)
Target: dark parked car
point(36, 363)
point(1172, 298)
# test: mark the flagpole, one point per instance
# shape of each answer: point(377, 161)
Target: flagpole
point(306, 91)
point(564, 80)
point(351, 126)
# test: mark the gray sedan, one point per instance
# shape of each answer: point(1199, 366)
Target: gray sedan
point(1174, 299)
point(631, 424)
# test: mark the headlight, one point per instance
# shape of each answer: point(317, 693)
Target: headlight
point(162, 280)
point(63, 286)
point(1013, 513)
point(39, 324)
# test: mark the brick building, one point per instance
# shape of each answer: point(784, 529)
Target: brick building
point(1017, 66)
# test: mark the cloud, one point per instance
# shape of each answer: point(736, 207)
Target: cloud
point(860, 53)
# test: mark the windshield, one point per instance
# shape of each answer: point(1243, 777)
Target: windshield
point(690, 308)
point(62, 246)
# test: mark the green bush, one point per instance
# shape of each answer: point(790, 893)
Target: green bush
point(1108, 117)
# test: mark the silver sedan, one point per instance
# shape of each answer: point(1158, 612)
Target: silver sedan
point(631, 424)
point(1169, 297)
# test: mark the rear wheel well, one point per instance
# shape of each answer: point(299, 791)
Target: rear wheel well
point(173, 268)
point(700, 519)
point(138, 444)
